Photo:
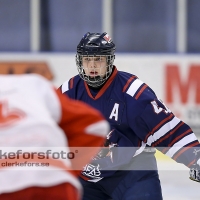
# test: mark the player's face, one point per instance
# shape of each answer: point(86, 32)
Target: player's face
point(94, 66)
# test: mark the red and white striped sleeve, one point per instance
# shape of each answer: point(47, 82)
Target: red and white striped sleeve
point(84, 126)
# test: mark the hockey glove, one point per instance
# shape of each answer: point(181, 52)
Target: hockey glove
point(195, 172)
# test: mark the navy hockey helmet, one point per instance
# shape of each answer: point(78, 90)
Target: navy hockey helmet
point(95, 45)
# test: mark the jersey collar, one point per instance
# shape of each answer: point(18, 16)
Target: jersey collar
point(104, 88)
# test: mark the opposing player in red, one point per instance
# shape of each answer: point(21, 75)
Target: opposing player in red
point(34, 115)
point(139, 120)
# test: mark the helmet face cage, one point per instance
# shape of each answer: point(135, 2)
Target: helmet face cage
point(103, 71)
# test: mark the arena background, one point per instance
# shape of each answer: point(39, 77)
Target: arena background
point(156, 40)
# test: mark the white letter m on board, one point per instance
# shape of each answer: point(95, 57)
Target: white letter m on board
point(114, 112)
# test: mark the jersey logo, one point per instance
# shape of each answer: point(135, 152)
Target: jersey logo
point(115, 111)
point(8, 116)
point(196, 151)
point(107, 38)
point(91, 171)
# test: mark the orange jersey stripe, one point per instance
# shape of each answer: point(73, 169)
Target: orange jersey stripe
point(169, 134)
point(159, 125)
point(141, 91)
point(128, 82)
point(180, 136)
point(184, 149)
point(71, 83)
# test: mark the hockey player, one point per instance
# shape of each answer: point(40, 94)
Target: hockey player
point(35, 115)
point(140, 122)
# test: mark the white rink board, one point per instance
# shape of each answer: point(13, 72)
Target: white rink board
point(152, 70)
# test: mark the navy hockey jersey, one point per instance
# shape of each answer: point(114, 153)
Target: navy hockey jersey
point(138, 117)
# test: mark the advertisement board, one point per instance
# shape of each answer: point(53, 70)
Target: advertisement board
point(174, 78)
